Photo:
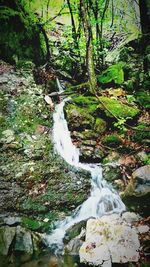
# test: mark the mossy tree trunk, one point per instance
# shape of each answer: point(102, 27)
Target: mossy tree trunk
point(89, 46)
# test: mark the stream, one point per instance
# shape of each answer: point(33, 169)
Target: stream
point(103, 198)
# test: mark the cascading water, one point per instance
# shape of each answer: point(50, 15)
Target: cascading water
point(103, 199)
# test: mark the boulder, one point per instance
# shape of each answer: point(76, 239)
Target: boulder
point(74, 231)
point(78, 118)
point(111, 173)
point(140, 183)
point(117, 108)
point(110, 240)
point(23, 240)
point(7, 235)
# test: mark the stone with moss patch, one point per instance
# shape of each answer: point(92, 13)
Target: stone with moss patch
point(112, 140)
point(100, 126)
point(117, 108)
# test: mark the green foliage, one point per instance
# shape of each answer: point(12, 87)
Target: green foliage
point(120, 124)
point(114, 73)
point(143, 98)
point(147, 159)
point(143, 135)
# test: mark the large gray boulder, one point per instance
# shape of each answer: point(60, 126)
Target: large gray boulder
point(109, 240)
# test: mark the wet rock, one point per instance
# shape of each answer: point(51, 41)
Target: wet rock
point(140, 183)
point(12, 220)
point(74, 231)
point(77, 118)
point(111, 173)
point(23, 240)
point(130, 217)
point(109, 240)
point(7, 235)
point(91, 154)
point(73, 247)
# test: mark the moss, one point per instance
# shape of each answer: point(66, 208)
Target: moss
point(20, 34)
point(27, 114)
point(86, 102)
point(79, 117)
point(112, 140)
point(100, 126)
point(117, 108)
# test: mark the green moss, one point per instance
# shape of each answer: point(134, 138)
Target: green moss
point(100, 126)
point(117, 108)
point(112, 140)
point(87, 102)
point(79, 117)
point(27, 114)
point(20, 34)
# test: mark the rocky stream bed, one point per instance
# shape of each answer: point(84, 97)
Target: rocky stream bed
point(37, 187)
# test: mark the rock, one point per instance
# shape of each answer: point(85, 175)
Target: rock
point(74, 231)
point(100, 126)
point(8, 136)
point(117, 108)
point(141, 180)
point(113, 156)
point(109, 240)
point(130, 217)
point(111, 173)
point(78, 118)
point(139, 185)
point(7, 235)
point(23, 240)
point(143, 229)
point(89, 154)
point(73, 247)
point(12, 220)
point(142, 156)
point(142, 174)
point(112, 140)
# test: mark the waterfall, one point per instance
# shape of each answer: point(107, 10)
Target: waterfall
point(103, 198)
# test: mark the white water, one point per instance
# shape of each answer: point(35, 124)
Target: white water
point(103, 199)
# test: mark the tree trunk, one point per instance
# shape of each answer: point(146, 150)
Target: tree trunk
point(145, 15)
point(144, 6)
point(89, 46)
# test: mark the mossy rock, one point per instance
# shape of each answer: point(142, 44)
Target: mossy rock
point(78, 118)
point(112, 140)
point(117, 108)
point(89, 102)
point(100, 126)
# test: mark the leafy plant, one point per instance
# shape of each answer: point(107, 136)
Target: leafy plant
point(114, 73)
point(120, 124)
